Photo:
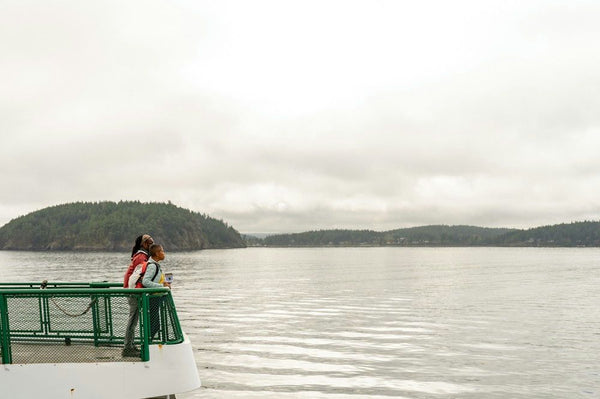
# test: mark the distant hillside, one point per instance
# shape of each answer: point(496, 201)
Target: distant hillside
point(586, 234)
point(252, 241)
point(323, 238)
point(439, 235)
point(444, 235)
point(577, 234)
point(114, 226)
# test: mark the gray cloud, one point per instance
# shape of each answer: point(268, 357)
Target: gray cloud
point(381, 115)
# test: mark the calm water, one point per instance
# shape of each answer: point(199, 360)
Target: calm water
point(375, 322)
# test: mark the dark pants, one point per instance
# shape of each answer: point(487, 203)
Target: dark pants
point(155, 303)
point(134, 315)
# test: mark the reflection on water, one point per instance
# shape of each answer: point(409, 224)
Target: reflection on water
point(374, 322)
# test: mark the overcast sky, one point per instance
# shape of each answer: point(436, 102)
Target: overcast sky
point(287, 116)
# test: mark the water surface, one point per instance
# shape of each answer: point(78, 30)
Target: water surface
point(374, 322)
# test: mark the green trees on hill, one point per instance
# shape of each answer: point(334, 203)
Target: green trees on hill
point(114, 226)
point(424, 235)
point(324, 237)
point(585, 234)
point(562, 235)
point(444, 235)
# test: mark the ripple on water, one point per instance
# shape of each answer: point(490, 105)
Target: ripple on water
point(377, 322)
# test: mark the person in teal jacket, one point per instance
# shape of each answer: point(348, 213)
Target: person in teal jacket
point(154, 277)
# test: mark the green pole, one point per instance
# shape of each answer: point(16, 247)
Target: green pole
point(5, 331)
point(95, 320)
point(145, 326)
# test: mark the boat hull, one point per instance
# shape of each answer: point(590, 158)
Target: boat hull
point(170, 370)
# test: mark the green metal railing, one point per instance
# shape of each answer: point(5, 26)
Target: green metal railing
point(81, 322)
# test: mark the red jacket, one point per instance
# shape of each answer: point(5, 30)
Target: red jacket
point(139, 257)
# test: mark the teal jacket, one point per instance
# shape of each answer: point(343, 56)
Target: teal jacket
point(153, 270)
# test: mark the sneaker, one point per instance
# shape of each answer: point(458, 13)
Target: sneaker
point(131, 351)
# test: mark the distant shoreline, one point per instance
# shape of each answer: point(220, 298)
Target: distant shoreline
point(571, 235)
point(422, 246)
point(98, 251)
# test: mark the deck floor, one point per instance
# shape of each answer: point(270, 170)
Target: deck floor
point(29, 353)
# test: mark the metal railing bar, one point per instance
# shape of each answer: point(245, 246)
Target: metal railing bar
point(98, 328)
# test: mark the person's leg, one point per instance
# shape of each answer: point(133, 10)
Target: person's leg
point(132, 322)
point(155, 315)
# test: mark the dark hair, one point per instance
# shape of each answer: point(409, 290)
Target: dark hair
point(154, 248)
point(137, 245)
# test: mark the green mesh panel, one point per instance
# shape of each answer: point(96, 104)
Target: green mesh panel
point(171, 325)
point(68, 314)
point(81, 325)
point(27, 312)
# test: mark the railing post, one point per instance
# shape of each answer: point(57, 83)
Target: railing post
point(95, 319)
point(5, 332)
point(145, 326)
point(45, 315)
point(108, 318)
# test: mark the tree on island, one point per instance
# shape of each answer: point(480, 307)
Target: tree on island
point(113, 226)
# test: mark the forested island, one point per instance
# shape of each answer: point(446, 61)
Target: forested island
point(113, 226)
point(577, 234)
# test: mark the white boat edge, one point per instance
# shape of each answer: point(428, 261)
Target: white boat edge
point(170, 370)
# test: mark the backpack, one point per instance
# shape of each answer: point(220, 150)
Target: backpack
point(135, 280)
point(130, 268)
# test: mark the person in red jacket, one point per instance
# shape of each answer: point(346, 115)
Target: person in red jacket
point(139, 254)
